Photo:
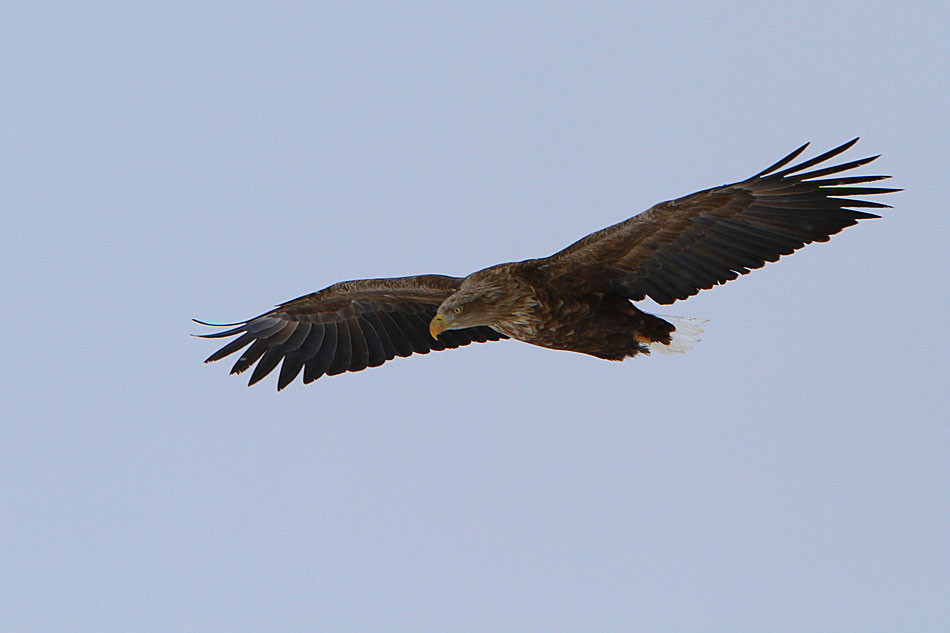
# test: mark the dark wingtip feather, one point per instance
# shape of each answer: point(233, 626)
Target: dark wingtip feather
point(834, 169)
point(784, 161)
point(238, 327)
point(819, 159)
point(235, 345)
point(219, 324)
point(225, 334)
point(858, 191)
point(851, 202)
point(264, 367)
point(287, 374)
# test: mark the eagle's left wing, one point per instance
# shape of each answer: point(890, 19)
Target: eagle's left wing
point(679, 247)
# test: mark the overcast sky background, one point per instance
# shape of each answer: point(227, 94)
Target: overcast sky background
point(163, 161)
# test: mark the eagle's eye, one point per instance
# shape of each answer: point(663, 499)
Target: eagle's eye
point(457, 309)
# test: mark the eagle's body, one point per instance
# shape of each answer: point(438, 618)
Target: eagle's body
point(580, 298)
point(549, 314)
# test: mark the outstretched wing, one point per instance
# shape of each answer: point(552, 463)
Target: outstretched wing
point(348, 326)
point(679, 247)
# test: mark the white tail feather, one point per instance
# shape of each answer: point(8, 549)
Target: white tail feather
point(683, 338)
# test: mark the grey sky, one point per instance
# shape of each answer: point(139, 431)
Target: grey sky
point(171, 160)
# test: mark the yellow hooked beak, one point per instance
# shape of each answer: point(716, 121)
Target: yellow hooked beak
point(438, 325)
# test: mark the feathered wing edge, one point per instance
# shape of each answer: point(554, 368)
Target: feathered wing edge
point(361, 330)
point(713, 236)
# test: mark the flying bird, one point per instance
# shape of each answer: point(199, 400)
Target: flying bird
point(579, 299)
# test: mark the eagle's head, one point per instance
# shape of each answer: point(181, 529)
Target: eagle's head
point(491, 297)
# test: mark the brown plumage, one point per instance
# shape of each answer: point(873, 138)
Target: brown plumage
point(578, 299)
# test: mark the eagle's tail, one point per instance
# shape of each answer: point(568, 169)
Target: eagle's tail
point(683, 337)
